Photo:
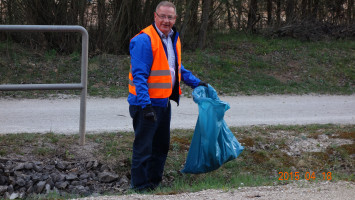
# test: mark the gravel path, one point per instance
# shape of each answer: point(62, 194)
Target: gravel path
point(297, 190)
point(62, 115)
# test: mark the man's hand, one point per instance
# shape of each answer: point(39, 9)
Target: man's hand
point(201, 83)
point(149, 113)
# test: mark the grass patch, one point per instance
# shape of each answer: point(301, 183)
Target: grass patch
point(234, 64)
point(268, 151)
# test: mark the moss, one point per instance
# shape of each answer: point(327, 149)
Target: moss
point(260, 156)
point(320, 159)
point(183, 142)
point(284, 160)
point(348, 148)
point(247, 141)
point(345, 135)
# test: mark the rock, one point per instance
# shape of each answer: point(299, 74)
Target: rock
point(21, 190)
point(44, 177)
point(48, 188)
point(28, 165)
point(37, 168)
point(60, 177)
point(75, 183)
point(84, 176)
point(10, 189)
point(124, 180)
point(39, 187)
point(107, 177)
point(12, 180)
point(29, 190)
point(89, 164)
point(6, 195)
point(61, 165)
point(8, 165)
point(84, 191)
point(57, 177)
point(61, 185)
point(49, 167)
point(36, 177)
point(50, 182)
point(29, 183)
point(95, 164)
point(20, 182)
point(104, 168)
point(3, 189)
point(3, 180)
point(14, 196)
point(19, 166)
point(25, 178)
point(71, 177)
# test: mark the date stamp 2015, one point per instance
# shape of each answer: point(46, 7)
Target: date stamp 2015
point(286, 176)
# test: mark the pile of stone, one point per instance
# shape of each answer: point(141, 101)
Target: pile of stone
point(19, 179)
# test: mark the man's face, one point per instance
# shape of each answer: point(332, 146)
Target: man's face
point(165, 19)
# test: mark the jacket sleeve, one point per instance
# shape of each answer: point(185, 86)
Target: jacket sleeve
point(141, 61)
point(189, 78)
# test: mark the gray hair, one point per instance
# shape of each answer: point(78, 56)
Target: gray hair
point(166, 3)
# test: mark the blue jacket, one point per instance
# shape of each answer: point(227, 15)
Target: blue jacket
point(141, 61)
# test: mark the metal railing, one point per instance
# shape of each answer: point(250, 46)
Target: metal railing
point(72, 86)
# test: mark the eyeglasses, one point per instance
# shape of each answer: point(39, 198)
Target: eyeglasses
point(169, 17)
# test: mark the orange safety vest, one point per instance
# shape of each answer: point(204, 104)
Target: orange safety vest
point(159, 80)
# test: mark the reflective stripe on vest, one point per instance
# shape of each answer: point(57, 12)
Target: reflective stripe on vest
point(159, 80)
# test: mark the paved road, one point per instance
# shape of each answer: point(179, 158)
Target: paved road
point(104, 115)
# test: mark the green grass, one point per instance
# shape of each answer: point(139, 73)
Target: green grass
point(264, 157)
point(234, 64)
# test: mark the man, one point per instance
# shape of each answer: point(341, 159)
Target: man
point(154, 80)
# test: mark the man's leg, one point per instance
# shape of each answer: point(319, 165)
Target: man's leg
point(142, 148)
point(161, 143)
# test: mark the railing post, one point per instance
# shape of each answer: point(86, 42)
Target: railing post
point(84, 78)
point(84, 68)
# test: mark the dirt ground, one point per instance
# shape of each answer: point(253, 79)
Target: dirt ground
point(296, 190)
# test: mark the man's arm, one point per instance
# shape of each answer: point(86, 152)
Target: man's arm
point(141, 61)
point(189, 78)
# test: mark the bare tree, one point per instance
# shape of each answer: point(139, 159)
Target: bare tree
point(252, 15)
point(269, 11)
point(290, 7)
point(278, 13)
point(229, 15)
point(206, 5)
point(350, 11)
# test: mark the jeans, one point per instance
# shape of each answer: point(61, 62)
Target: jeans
point(150, 147)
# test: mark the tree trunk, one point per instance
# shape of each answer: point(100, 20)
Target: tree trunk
point(315, 9)
point(229, 15)
point(278, 12)
point(240, 10)
point(9, 12)
point(187, 19)
point(101, 24)
point(206, 5)
point(290, 6)
point(304, 13)
point(194, 15)
point(350, 11)
point(253, 9)
point(269, 12)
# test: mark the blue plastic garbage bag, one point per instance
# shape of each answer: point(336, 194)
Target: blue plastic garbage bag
point(213, 144)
